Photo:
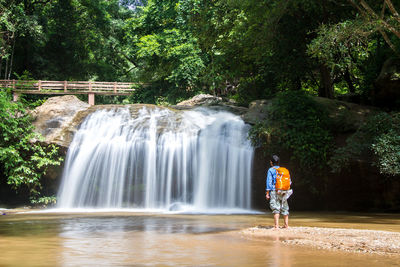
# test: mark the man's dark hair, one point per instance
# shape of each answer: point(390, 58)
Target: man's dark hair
point(275, 159)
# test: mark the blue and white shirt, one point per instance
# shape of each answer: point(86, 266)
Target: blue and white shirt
point(271, 179)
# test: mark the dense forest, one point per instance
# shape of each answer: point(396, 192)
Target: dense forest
point(244, 50)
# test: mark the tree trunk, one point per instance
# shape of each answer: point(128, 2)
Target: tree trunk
point(12, 59)
point(349, 82)
point(6, 70)
point(326, 85)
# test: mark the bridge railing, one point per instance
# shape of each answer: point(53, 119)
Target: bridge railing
point(78, 87)
point(67, 87)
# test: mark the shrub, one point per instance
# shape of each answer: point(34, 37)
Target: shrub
point(376, 141)
point(300, 125)
point(23, 157)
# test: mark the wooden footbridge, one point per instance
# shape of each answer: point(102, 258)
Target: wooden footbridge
point(89, 88)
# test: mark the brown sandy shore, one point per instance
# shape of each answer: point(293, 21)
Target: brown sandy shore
point(350, 240)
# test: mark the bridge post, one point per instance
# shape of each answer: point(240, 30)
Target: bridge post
point(15, 95)
point(90, 95)
point(91, 99)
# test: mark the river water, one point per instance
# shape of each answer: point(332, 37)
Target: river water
point(145, 239)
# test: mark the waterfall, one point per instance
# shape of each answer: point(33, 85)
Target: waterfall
point(158, 159)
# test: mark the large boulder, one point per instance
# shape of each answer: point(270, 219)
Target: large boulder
point(345, 116)
point(201, 100)
point(56, 114)
point(212, 102)
point(257, 111)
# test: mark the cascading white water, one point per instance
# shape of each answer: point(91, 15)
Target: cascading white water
point(158, 159)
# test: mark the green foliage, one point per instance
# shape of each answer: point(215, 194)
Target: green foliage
point(145, 94)
point(23, 158)
point(241, 49)
point(349, 49)
point(387, 149)
point(44, 201)
point(111, 99)
point(300, 125)
point(296, 123)
point(32, 101)
point(66, 40)
point(167, 55)
point(252, 88)
point(379, 137)
point(259, 135)
point(340, 44)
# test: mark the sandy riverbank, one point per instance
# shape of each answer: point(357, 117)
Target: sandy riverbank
point(350, 240)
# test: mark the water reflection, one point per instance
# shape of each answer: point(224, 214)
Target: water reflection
point(145, 240)
point(280, 257)
point(171, 225)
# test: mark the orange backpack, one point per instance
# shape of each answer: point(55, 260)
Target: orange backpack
point(282, 179)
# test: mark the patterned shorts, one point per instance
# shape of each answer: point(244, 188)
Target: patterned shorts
point(278, 203)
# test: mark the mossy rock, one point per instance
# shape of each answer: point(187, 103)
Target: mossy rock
point(345, 116)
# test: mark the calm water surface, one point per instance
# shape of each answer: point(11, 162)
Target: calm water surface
point(139, 239)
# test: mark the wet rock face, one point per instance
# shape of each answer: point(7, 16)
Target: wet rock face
point(56, 114)
point(60, 117)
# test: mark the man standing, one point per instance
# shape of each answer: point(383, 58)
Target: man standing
point(277, 198)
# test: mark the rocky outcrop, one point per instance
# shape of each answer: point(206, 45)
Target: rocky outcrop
point(257, 111)
point(55, 115)
point(213, 102)
point(345, 116)
point(59, 117)
point(201, 100)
